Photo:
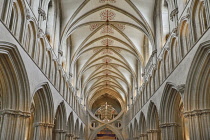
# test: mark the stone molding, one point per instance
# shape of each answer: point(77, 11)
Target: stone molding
point(69, 135)
point(163, 125)
point(59, 131)
point(153, 131)
point(50, 125)
point(143, 135)
point(15, 113)
point(196, 113)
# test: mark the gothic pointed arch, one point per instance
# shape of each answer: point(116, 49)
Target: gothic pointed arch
point(131, 131)
point(199, 18)
point(171, 112)
point(59, 129)
point(14, 95)
point(142, 127)
point(153, 128)
point(12, 70)
point(76, 129)
point(109, 127)
point(43, 112)
point(197, 97)
point(136, 127)
point(70, 126)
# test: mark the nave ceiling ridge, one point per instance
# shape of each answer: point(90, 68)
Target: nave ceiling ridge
point(104, 51)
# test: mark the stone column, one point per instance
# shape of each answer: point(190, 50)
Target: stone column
point(169, 131)
point(197, 124)
point(13, 124)
point(43, 131)
point(143, 136)
point(59, 134)
point(153, 134)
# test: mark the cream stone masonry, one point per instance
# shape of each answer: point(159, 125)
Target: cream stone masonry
point(104, 69)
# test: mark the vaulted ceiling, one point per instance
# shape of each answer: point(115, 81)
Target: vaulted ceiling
point(110, 42)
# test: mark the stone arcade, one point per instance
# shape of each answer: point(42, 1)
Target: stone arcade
point(104, 69)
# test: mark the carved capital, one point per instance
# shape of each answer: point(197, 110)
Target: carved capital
point(71, 74)
point(154, 66)
point(154, 52)
point(173, 13)
point(60, 52)
point(175, 31)
point(28, 15)
point(42, 13)
point(40, 33)
point(181, 88)
point(187, 16)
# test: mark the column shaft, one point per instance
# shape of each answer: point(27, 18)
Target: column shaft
point(13, 125)
point(198, 125)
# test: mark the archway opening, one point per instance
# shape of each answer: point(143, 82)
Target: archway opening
point(106, 107)
point(106, 134)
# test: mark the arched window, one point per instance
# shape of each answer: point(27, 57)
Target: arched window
point(147, 49)
point(174, 52)
point(40, 53)
point(41, 119)
point(165, 22)
point(60, 123)
point(17, 19)
point(153, 123)
point(142, 127)
point(199, 20)
point(48, 63)
point(202, 17)
point(30, 39)
point(12, 20)
point(50, 22)
point(184, 38)
point(171, 112)
point(166, 64)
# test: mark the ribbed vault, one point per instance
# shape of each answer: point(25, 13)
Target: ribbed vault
point(110, 43)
